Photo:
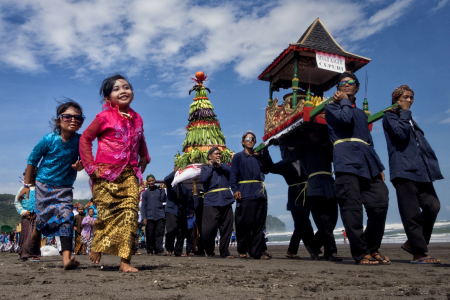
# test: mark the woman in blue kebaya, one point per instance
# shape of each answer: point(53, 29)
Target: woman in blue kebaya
point(25, 207)
point(57, 155)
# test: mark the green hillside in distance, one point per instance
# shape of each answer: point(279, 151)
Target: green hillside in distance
point(9, 215)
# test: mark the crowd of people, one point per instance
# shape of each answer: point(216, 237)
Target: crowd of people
point(308, 158)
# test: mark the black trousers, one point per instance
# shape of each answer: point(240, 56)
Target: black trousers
point(199, 220)
point(154, 231)
point(413, 197)
point(352, 193)
point(176, 227)
point(303, 231)
point(66, 243)
point(325, 215)
point(221, 218)
point(189, 240)
point(250, 218)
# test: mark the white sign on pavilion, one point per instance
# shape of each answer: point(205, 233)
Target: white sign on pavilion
point(330, 62)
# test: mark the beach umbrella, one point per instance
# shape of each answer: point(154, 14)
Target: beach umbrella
point(6, 228)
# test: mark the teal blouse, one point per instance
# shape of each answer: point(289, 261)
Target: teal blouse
point(56, 157)
point(25, 204)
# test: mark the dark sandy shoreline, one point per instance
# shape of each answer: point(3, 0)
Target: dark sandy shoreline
point(198, 277)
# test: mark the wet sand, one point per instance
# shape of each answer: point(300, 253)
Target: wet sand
point(217, 278)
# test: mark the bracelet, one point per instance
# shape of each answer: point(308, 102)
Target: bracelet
point(25, 184)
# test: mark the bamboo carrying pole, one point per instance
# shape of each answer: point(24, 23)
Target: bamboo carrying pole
point(379, 115)
point(319, 109)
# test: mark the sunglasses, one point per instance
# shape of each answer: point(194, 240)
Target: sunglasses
point(250, 139)
point(67, 118)
point(350, 82)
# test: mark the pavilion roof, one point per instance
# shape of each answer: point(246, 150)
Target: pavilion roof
point(315, 39)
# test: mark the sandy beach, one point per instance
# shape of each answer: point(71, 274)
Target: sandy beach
point(217, 278)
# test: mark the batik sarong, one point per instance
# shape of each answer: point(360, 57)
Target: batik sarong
point(28, 249)
point(79, 245)
point(87, 242)
point(54, 210)
point(115, 230)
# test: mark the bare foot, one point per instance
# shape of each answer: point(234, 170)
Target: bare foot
point(95, 257)
point(36, 237)
point(126, 267)
point(71, 263)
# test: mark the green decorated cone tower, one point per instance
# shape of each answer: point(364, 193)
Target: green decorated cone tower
point(203, 130)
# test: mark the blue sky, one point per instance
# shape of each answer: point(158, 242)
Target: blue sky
point(55, 49)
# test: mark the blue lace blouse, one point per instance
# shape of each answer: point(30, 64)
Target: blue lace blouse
point(57, 159)
point(26, 204)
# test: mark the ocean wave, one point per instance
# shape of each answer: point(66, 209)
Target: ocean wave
point(393, 233)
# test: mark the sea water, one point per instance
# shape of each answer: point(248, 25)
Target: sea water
point(393, 233)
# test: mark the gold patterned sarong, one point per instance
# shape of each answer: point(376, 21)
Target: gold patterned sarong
point(117, 202)
point(79, 247)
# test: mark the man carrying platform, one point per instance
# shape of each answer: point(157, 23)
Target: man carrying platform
point(217, 201)
point(359, 173)
point(247, 184)
point(176, 216)
point(413, 168)
point(315, 155)
point(295, 178)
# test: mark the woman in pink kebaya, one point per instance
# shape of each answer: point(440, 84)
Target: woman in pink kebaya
point(121, 159)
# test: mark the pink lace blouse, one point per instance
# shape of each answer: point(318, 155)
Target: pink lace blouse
point(121, 142)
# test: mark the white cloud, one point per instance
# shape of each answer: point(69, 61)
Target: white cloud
point(82, 193)
point(80, 73)
point(82, 177)
point(441, 4)
point(445, 121)
point(174, 38)
point(381, 19)
point(154, 91)
point(179, 131)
